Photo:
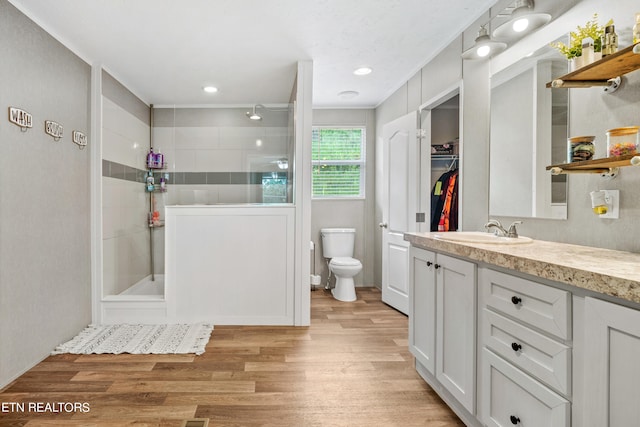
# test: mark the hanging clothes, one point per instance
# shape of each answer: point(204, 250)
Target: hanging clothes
point(444, 202)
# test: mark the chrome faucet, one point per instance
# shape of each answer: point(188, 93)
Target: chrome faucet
point(500, 230)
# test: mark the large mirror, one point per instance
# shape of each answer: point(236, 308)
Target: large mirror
point(528, 133)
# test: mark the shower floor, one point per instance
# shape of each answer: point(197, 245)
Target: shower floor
point(147, 287)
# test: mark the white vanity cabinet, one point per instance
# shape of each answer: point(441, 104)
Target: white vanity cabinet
point(557, 335)
point(611, 364)
point(525, 360)
point(442, 327)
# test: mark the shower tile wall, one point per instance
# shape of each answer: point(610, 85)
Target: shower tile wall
point(220, 153)
point(125, 244)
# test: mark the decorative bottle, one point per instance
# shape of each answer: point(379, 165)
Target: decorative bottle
point(587, 51)
point(610, 41)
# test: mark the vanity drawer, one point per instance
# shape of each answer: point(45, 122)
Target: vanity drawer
point(535, 304)
point(510, 397)
point(547, 360)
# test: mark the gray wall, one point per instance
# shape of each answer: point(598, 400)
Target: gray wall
point(349, 213)
point(45, 283)
point(439, 75)
point(591, 113)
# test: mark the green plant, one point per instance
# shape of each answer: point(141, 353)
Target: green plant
point(591, 29)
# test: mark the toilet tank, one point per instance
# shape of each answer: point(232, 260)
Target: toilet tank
point(338, 242)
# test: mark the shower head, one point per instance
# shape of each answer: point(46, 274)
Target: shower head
point(253, 115)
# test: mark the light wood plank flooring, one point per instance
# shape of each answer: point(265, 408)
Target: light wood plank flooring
point(351, 367)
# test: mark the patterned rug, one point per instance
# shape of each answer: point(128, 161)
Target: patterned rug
point(139, 339)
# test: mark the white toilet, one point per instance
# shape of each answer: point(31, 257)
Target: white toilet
point(337, 244)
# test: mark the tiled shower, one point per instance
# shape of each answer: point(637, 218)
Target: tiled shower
point(213, 155)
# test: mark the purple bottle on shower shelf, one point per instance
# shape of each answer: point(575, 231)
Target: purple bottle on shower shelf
point(150, 158)
point(159, 159)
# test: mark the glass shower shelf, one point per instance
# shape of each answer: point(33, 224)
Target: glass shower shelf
point(156, 189)
point(155, 165)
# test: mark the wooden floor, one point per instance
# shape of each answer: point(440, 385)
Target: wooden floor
point(351, 367)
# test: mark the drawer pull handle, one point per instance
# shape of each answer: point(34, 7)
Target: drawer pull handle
point(515, 346)
point(429, 263)
point(516, 300)
point(437, 266)
point(514, 420)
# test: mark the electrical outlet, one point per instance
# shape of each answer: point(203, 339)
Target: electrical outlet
point(612, 197)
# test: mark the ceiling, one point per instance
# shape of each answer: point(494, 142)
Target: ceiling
point(166, 51)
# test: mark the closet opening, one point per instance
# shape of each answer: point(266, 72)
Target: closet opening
point(441, 157)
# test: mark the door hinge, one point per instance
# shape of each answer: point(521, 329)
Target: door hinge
point(420, 217)
point(421, 133)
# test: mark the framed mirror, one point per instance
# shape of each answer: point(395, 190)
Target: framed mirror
point(529, 131)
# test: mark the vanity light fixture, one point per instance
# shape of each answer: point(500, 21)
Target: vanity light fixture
point(483, 46)
point(522, 19)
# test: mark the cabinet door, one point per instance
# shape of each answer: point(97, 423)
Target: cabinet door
point(422, 307)
point(456, 328)
point(612, 371)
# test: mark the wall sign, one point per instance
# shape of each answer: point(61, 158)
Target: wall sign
point(79, 138)
point(54, 129)
point(21, 118)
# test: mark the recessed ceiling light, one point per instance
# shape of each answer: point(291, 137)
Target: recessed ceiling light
point(210, 89)
point(362, 71)
point(348, 94)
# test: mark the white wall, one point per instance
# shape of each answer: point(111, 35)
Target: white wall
point(125, 203)
point(348, 213)
point(45, 282)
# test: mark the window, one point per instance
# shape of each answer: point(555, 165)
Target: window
point(274, 187)
point(337, 157)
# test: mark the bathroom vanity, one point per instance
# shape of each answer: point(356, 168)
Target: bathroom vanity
point(541, 333)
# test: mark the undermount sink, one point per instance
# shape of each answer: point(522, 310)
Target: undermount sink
point(481, 237)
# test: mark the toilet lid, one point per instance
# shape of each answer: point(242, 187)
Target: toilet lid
point(345, 261)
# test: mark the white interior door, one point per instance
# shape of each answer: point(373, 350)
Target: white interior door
point(401, 170)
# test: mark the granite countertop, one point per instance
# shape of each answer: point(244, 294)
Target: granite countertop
point(606, 271)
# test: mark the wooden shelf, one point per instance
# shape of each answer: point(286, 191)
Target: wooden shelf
point(606, 165)
point(600, 72)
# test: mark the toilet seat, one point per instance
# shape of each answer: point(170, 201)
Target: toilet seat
point(344, 262)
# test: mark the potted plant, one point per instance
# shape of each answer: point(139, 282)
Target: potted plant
point(573, 51)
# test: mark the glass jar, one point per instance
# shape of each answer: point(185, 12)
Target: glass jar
point(580, 148)
point(622, 141)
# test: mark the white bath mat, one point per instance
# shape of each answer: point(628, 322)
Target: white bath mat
point(139, 339)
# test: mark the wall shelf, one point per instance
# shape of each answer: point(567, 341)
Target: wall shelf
point(604, 72)
point(608, 165)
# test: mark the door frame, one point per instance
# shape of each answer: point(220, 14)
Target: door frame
point(424, 122)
